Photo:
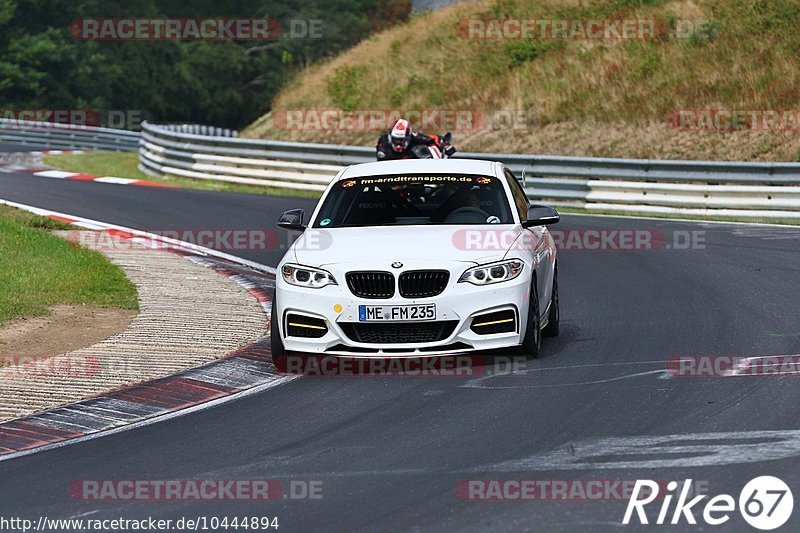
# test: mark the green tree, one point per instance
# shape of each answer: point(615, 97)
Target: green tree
point(225, 83)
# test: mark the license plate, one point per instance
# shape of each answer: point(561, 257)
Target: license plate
point(396, 313)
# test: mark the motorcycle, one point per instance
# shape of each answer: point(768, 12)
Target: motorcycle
point(440, 148)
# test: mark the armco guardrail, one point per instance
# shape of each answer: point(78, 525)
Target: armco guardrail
point(763, 190)
point(168, 150)
point(67, 136)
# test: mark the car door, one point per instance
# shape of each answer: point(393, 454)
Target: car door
point(540, 239)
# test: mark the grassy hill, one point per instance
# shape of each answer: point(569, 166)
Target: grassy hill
point(594, 97)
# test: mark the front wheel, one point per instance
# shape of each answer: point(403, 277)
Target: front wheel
point(554, 317)
point(532, 342)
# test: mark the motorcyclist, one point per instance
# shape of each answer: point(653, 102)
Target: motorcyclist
point(400, 139)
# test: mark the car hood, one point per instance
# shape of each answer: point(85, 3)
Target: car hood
point(476, 244)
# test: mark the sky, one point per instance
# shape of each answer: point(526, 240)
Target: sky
point(427, 4)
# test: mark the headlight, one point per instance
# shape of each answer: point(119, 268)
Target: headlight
point(493, 273)
point(312, 278)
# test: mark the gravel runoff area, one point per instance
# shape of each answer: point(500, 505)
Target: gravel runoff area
point(189, 315)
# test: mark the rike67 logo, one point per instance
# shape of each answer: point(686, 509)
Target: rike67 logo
point(766, 503)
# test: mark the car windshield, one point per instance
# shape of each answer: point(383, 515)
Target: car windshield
point(415, 200)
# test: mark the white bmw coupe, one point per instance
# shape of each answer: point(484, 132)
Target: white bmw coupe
point(418, 257)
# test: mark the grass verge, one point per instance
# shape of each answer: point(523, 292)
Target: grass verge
point(38, 270)
point(125, 165)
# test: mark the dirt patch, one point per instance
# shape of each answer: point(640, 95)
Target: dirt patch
point(67, 328)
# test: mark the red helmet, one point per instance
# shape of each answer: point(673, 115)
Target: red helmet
point(400, 135)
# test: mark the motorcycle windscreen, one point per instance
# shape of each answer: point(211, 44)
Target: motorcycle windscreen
point(421, 151)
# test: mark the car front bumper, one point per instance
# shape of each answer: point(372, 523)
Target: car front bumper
point(459, 303)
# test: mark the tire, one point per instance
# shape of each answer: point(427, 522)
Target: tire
point(532, 342)
point(275, 341)
point(554, 316)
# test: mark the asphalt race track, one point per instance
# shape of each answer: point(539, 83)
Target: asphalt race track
point(391, 451)
point(6, 148)
point(13, 148)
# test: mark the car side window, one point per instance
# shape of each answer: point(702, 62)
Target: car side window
point(520, 198)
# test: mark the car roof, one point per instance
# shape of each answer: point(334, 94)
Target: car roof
point(421, 166)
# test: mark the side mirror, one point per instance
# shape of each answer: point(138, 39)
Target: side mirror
point(541, 215)
point(292, 220)
point(447, 141)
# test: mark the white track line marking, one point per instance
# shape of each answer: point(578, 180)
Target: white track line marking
point(175, 243)
point(58, 174)
point(475, 383)
point(118, 181)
